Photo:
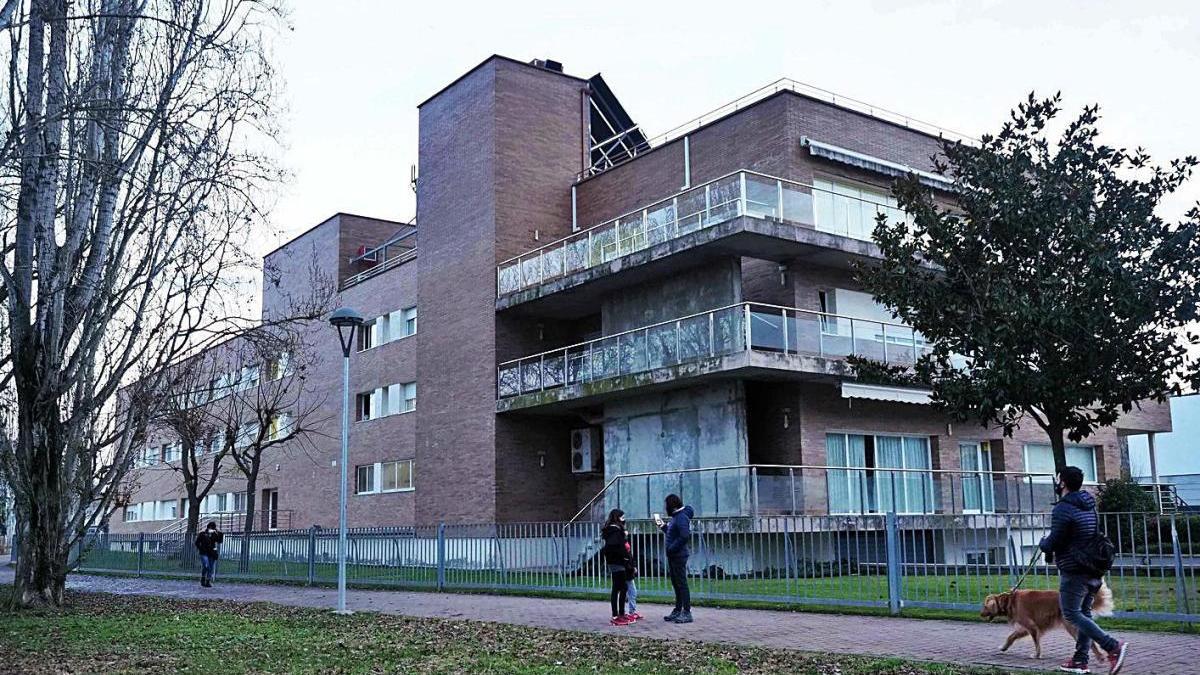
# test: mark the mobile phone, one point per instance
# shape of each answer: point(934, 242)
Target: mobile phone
point(658, 518)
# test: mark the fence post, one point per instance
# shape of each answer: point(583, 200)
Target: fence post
point(893, 562)
point(141, 550)
point(754, 494)
point(312, 555)
point(441, 557)
point(1181, 600)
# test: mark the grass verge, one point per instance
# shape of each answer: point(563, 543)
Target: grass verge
point(130, 634)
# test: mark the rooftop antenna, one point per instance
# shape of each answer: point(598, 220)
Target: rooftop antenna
point(412, 177)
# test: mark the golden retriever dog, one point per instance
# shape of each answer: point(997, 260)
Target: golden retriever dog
point(1034, 613)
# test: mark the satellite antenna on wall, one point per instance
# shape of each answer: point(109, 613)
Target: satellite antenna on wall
point(412, 177)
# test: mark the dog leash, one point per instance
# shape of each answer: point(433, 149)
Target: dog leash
point(1028, 569)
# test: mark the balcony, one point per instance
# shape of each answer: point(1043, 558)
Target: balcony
point(743, 213)
point(742, 340)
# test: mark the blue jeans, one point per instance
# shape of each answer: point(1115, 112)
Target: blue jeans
point(1075, 595)
point(631, 595)
point(208, 568)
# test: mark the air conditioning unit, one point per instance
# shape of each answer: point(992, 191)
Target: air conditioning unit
point(586, 450)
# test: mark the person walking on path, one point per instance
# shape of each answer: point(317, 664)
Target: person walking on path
point(1073, 525)
point(208, 544)
point(678, 531)
point(615, 557)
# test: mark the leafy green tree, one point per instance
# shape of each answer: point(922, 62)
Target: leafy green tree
point(1048, 273)
point(1125, 495)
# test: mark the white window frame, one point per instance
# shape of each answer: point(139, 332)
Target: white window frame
point(874, 495)
point(985, 476)
point(375, 471)
point(1088, 479)
point(393, 399)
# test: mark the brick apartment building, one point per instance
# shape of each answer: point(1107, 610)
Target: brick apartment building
point(595, 304)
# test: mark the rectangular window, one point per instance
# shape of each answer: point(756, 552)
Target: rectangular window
point(368, 334)
point(409, 316)
point(131, 513)
point(397, 475)
point(363, 406)
point(850, 209)
point(410, 397)
point(1039, 459)
point(280, 366)
point(280, 426)
point(239, 501)
point(168, 509)
point(171, 452)
point(365, 483)
point(977, 478)
point(891, 477)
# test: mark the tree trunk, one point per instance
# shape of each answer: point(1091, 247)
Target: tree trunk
point(189, 556)
point(41, 573)
point(248, 525)
point(1058, 446)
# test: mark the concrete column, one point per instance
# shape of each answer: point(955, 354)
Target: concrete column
point(1154, 471)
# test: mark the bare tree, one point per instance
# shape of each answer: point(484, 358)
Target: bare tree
point(276, 414)
point(187, 418)
point(136, 161)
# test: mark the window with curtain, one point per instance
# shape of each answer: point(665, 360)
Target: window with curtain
point(849, 209)
point(977, 488)
point(1039, 459)
point(875, 489)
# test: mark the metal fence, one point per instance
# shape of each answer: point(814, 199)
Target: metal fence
point(887, 561)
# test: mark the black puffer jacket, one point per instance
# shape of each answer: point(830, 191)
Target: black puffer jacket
point(614, 544)
point(1072, 524)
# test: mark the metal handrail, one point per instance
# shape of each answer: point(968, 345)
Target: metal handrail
point(732, 467)
point(798, 310)
point(582, 234)
point(405, 256)
point(788, 84)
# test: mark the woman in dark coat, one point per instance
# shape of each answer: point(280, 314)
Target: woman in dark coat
point(616, 558)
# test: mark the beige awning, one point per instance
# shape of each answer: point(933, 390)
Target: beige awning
point(878, 392)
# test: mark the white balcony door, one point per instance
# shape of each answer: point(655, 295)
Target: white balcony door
point(978, 495)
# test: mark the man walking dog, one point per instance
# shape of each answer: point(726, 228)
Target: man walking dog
point(1077, 547)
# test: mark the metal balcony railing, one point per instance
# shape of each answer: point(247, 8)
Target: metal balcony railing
point(783, 84)
point(719, 332)
point(697, 208)
point(776, 489)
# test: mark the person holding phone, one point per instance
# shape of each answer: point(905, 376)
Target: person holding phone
point(616, 558)
point(678, 531)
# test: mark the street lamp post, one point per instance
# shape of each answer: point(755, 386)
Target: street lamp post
point(346, 321)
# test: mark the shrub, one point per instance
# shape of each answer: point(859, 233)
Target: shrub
point(1124, 495)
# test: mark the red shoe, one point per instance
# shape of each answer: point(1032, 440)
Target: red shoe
point(1116, 658)
point(635, 616)
point(1071, 666)
point(620, 621)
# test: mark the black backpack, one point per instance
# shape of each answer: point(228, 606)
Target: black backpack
point(1098, 553)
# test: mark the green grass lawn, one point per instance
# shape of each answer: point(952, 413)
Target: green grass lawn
point(101, 633)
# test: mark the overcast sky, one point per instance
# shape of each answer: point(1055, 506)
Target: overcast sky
point(356, 69)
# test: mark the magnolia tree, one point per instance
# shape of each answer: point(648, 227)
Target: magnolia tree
point(137, 155)
point(1052, 277)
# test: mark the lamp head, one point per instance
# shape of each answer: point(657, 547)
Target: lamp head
point(346, 321)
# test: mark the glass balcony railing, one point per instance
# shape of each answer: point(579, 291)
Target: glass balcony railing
point(697, 208)
point(719, 332)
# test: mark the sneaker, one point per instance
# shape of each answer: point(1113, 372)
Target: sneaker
point(672, 616)
point(1074, 666)
point(1116, 658)
point(632, 618)
point(620, 621)
point(635, 616)
point(684, 617)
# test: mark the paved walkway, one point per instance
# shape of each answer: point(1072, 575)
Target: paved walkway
point(923, 639)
